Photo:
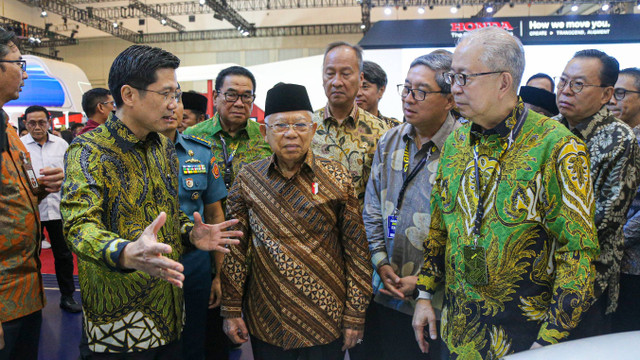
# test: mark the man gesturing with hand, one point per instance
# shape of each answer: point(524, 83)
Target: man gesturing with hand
point(122, 217)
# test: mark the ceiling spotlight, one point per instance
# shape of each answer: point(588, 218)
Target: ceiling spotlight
point(245, 33)
point(638, 5)
point(163, 21)
point(115, 25)
point(430, 7)
point(202, 2)
point(489, 9)
point(574, 8)
point(43, 13)
point(605, 7)
point(387, 10)
point(454, 9)
point(363, 26)
point(73, 33)
point(512, 4)
point(420, 10)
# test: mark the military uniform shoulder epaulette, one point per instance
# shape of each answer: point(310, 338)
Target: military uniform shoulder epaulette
point(198, 140)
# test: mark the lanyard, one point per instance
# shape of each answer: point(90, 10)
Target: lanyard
point(405, 168)
point(228, 158)
point(480, 211)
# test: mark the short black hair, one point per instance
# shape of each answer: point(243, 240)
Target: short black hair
point(543, 76)
point(36, 108)
point(5, 38)
point(92, 98)
point(75, 125)
point(234, 70)
point(374, 74)
point(610, 66)
point(136, 66)
point(634, 72)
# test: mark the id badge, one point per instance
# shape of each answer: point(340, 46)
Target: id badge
point(475, 265)
point(28, 169)
point(392, 222)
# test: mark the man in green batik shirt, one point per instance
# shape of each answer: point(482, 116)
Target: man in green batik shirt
point(512, 232)
point(122, 217)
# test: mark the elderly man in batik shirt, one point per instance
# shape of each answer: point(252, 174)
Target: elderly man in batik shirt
point(512, 233)
point(122, 216)
point(585, 87)
point(346, 133)
point(308, 282)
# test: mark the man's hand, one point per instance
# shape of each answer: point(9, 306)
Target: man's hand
point(145, 254)
point(236, 330)
point(1, 337)
point(391, 282)
point(213, 237)
point(404, 286)
point(422, 316)
point(51, 179)
point(351, 338)
point(216, 293)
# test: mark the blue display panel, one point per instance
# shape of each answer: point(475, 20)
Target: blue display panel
point(40, 89)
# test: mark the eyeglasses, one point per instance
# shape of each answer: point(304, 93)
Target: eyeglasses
point(112, 103)
point(300, 128)
point(575, 85)
point(21, 63)
point(417, 94)
point(620, 93)
point(169, 96)
point(233, 97)
point(41, 124)
point(461, 79)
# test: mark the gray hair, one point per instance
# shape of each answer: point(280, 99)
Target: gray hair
point(355, 48)
point(501, 51)
point(438, 62)
point(634, 73)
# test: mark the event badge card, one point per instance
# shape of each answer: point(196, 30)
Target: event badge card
point(392, 222)
point(475, 265)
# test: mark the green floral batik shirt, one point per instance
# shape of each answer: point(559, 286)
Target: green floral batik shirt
point(115, 186)
point(538, 232)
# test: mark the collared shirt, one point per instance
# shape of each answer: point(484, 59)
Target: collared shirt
point(115, 186)
point(631, 258)
point(199, 175)
point(310, 273)
point(615, 170)
point(389, 120)
point(351, 143)
point(245, 147)
point(404, 252)
point(90, 125)
point(537, 231)
point(21, 291)
point(50, 154)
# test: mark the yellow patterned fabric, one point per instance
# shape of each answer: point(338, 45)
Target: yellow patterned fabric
point(310, 271)
point(115, 186)
point(538, 231)
point(352, 143)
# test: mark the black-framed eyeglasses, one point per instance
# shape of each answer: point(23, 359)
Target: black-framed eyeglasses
point(281, 128)
point(418, 95)
point(169, 96)
point(41, 124)
point(575, 85)
point(461, 78)
point(232, 97)
point(112, 103)
point(21, 63)
point(620, 93)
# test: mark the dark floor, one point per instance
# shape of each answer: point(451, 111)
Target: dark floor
point(60, 334)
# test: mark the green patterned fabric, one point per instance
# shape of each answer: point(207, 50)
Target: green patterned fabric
point(248, 142)
point(538, 232)
point(115, 186)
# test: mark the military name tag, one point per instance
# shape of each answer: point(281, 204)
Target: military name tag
point(194, 169)
point(475, 265)
point(392, 222)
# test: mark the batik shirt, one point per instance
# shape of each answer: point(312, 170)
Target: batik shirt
point(310, 272)
point(403, 252)
point(615, 170)
point(351, 143)
point(115, 186)
point(245, 147)
point(537, 231)
point(631, 259)
point(21, 291)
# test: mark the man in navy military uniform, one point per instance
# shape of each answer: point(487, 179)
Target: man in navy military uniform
point(201, 189)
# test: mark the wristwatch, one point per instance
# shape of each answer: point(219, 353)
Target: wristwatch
point(422, 295)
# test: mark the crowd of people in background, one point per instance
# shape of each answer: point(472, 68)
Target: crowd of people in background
point(493, 218)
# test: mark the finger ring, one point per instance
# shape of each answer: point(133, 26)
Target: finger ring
point(359, 341)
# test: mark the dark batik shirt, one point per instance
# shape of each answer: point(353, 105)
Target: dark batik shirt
point(310, 270)
point(115, 186)
point(631, 259)
point(537, 230)
point(615, 170)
